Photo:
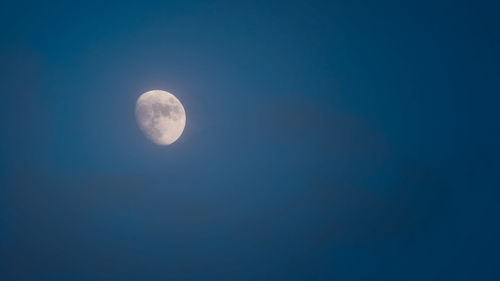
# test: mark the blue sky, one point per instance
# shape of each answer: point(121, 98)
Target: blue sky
point(325, 140)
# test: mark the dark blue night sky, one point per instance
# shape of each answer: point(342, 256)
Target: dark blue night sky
point(325, 140)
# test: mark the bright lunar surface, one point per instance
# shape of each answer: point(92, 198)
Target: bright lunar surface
point(160, 116)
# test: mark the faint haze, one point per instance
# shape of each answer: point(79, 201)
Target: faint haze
point(325, 140)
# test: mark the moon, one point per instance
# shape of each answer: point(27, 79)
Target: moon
point(160, 116)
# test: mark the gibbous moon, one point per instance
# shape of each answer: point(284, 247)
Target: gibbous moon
point(160, 116)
